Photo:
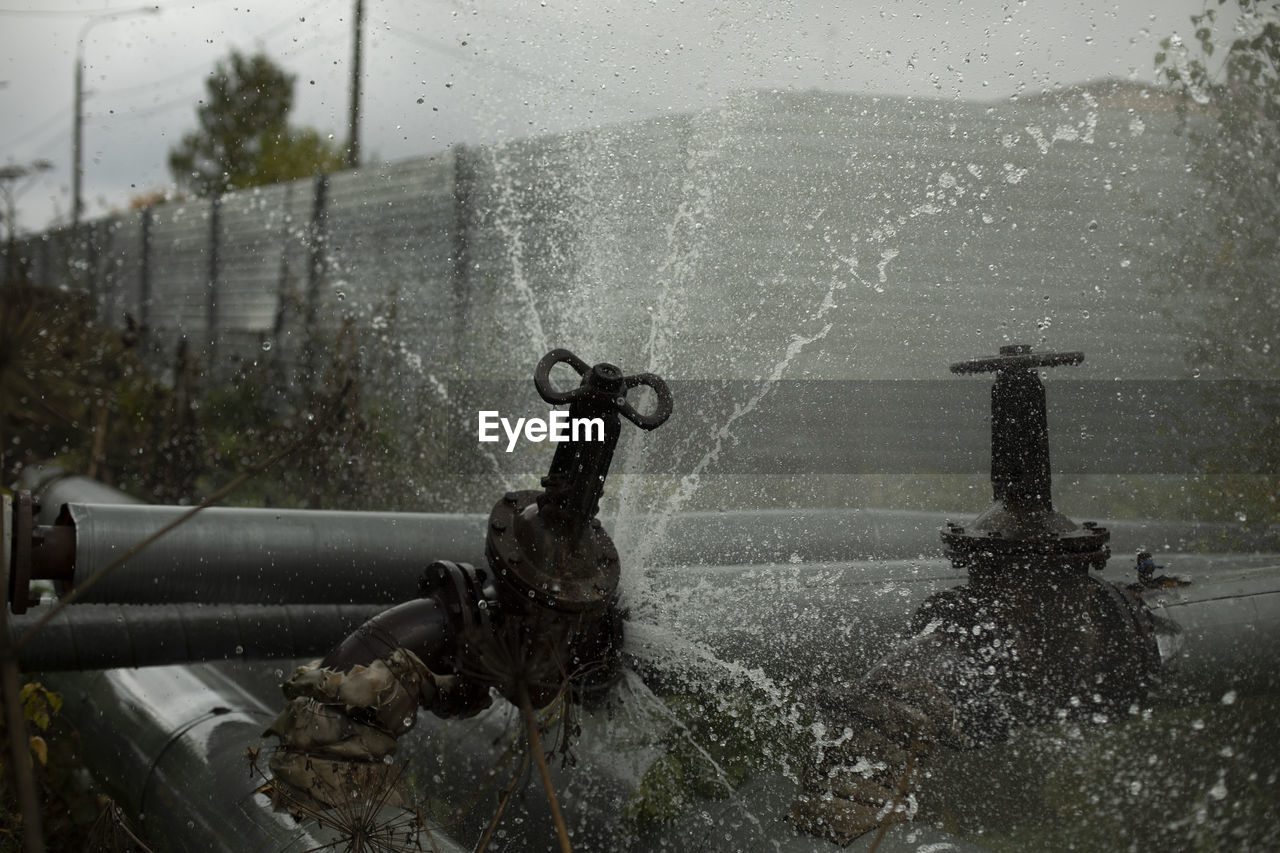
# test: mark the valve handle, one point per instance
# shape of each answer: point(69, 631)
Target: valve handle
point(603, 383)
point(542, 376)
point(661, 412)
point(1021, 478)
point(1016, 356)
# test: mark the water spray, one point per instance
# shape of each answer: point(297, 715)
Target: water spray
point(540, 621)
point(1032, 637)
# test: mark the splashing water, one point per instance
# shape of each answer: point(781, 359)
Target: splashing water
point(685, 239)
point(509, 222)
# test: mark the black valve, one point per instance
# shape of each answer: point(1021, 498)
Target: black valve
point(575, 480)
point(548, 546)
point(1020, 474)
point(1021, 528)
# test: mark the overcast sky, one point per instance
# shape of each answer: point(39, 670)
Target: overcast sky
point(438, 72)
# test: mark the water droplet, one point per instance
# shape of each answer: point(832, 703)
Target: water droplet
point(266, 346)
point(1229, 698)
point(1242, 517)
point(239, 650)
point(407, 721)
point(341, 295)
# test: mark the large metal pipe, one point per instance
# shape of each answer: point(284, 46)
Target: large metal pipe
point(172, 745)
point(826, 623)
point(779, 626)
point(265, 556)
point(808, 624)
point(105, 636)
point(1222, 632)
point(272, 556)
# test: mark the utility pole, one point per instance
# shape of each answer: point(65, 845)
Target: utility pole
point(77, 150)
point(77, 133)
point(10, 189)
point(353, 121)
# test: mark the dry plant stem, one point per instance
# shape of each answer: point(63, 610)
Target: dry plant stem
point(535, 746)
point(117, 818)
point(97, 454)
point(502, 807)
point(19, 757)
point(903, 784)
point(20, 764)
point(460, 811)
point(217, 497)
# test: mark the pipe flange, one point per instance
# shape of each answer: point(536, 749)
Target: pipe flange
point(465, 591)
point(19, 590)
point(531, 558)
point(1086, 543)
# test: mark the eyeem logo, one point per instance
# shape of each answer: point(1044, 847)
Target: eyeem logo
point(557, 427)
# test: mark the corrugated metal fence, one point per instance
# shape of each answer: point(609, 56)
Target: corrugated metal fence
point(799, 235)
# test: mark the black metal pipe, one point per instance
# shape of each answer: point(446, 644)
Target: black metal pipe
point(274, 556)
point(105, 636)
point(264, 556)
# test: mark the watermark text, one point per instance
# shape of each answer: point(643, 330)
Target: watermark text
point(557, 427)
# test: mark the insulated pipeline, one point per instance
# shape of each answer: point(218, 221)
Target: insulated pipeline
point(265, 556)
point(106, 636)
point(175, 747)
point(1222, 632)
point(272, 556)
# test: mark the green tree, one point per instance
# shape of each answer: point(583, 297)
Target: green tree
point(1229, 238)
point(244, 138)
point(297, 153)
point(1231, 244)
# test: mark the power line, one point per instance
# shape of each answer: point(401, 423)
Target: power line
point(203, 68)
point(274, 29)
point(55, 13)
point(40, 128)
point(439, 47)
point(161, 107)
point(487, 58)
point(97, 13)
point(207, 69)
point(49, 139)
